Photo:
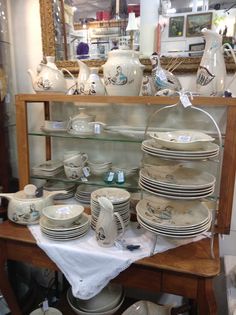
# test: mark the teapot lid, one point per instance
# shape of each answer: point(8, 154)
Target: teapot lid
point(29, 192)
point(82, 116)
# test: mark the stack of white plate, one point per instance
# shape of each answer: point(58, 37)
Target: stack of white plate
point(99, 167)
point(176, 181)
point(173, 218)
point(208, 150)
point(53, 185)
point(83, 193)
point(120, 199)
point(65, 233)
point(48, 168)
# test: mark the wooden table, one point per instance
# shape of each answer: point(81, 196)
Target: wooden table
point(187, 270)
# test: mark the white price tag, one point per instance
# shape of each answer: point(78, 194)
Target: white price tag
point(185, 100)
point(83, 179)
point(97, 129)
point(184, 138)
point(86, 171)
point(45, 306)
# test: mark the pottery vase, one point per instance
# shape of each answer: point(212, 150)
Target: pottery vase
point(211, 73)
point(94, 85)
point(123, 73)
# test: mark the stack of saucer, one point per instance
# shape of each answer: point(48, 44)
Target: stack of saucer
point(53, 185)
point(49, 168)
point(120, 199)
point(83, 193)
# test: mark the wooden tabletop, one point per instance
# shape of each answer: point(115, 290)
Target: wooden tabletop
point(194, 258)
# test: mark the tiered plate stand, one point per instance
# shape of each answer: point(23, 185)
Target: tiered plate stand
point(175, 156)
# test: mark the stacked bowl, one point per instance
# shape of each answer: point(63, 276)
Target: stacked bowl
point(64, 222)
point(99, 167)
point(107, 302)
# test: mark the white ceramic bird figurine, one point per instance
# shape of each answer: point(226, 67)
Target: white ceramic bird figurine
point(163, 79)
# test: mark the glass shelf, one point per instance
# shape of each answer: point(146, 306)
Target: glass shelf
point(105, 136)
point(131, 182)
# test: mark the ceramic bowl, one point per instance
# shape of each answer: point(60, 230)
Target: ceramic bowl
point(74, 305)
point(51, 311)
point(181, 139)
point(63, 214)
point(106, 300)
point(147, 308)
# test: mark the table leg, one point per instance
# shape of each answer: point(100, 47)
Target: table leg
point(206, 297)
point(5, 286)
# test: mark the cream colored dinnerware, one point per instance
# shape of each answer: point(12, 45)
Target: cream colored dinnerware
point(54, 126)
point(181, 139)
point(62, 232)
point(173, 214)
point(107, 231)
point(50, 311)
point(25, 207)
point(99, 167)
point(173, 218)
point(208, 150)
point(83, 124)
point(147, 308)
point(120, 200)
point(178, 176)
point(48, 168)
point(75, 305)
point(166, 233)
point(49, 79)
point(83, 193)
point(62, 214)
point(105, 300)
point(115, 195)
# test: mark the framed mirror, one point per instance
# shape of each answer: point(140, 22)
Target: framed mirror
point(54, 35)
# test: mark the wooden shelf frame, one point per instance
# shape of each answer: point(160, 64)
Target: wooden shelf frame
point(229, 155)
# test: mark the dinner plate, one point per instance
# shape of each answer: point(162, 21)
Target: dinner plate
point(174, 189)
point(173, 214)
point(161, 193)
point(176, 235)
point(178, 176)
point(115, 195)
point(83, 220)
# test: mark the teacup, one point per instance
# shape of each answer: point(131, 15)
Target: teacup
point(75, 172)
point(70, 153)
point(76, 160)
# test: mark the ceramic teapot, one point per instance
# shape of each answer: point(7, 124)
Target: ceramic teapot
point(106, 227)
point(49, 79)
point(211, 74)
point(83, 124)
point(25, 207)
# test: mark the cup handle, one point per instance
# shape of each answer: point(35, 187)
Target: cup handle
point(227, 45)
point(84, 157)
point(121, 222)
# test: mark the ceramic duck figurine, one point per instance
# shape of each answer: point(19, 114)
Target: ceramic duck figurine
point(163, 79)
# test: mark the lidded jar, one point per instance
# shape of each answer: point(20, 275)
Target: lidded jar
point(123, 73)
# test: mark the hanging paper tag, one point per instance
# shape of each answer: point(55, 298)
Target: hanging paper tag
point(97, 129)
point(45, 305)
point(185, 100)
point(86, 171)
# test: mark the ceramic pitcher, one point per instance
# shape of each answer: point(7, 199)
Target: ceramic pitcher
point(106, 228)
point(211, 74)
